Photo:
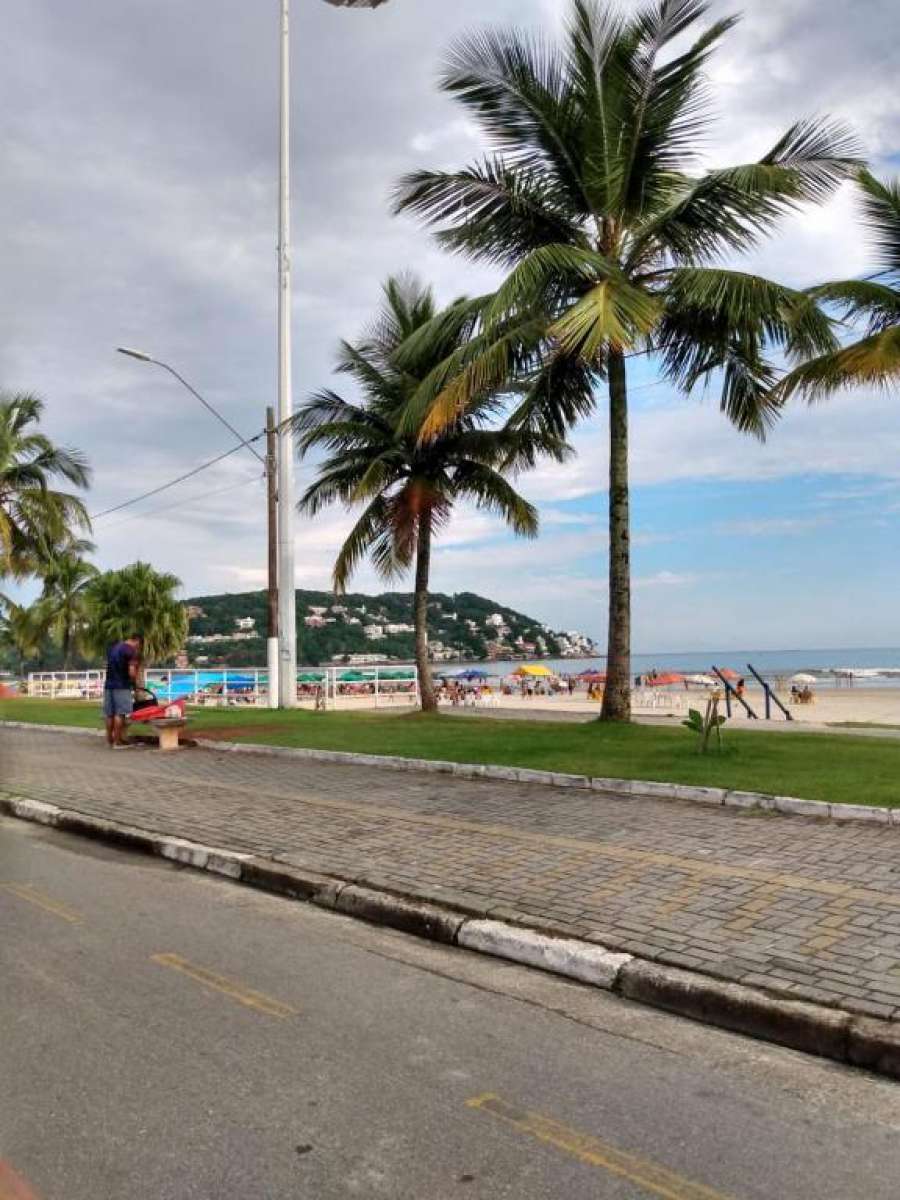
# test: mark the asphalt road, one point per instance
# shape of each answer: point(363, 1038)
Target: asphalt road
point(165, 1035)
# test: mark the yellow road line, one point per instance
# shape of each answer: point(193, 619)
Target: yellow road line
point(228, 987)
point(653, 1178)
point(26, 892)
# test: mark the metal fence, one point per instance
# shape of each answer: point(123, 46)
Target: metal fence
point(326, 687)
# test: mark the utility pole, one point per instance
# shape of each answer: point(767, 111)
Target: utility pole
point(287, 605)
point(272, 526)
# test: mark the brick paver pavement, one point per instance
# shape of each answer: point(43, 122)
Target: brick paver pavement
point(788, 903)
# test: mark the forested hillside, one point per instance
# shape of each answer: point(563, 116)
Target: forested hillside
point(464, 626)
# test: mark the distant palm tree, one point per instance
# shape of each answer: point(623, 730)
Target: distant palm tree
point(594, 200)
point(32, 514)
point(136, 599)
point(873, 301)
point(64, 600)
point(22, 630)
point(409, 485)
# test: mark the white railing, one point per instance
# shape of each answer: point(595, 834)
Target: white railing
point(327, 687)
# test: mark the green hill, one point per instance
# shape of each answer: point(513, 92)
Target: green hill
point(464, 626)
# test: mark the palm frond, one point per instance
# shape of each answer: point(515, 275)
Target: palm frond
point(873, 360)
point(881, 214)
point(370, 536)
point(493, 211)
point(490, 491)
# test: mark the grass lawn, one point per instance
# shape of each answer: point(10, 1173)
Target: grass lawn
point(842, 769)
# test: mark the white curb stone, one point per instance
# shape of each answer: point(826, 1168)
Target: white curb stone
point(34, 810)
point(204, 858)
point(699, 795)
point(862, 812)
point(562, 956)
point(802, 808)
point(749, 800)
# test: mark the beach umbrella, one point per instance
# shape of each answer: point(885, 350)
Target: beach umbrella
point(727, 673)
point(666, 679)
point(802, 677)
point(534, 671)
point(702, 680)
point(592, 676)
point(472, 673)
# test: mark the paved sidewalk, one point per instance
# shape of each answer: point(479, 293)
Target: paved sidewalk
point(804, 907)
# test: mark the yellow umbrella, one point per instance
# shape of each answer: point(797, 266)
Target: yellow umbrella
point(528, 670)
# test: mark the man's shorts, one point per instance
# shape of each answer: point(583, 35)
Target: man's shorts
point(118, 702)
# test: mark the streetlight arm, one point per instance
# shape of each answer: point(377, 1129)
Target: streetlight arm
point(240, 437)
point(142, 357)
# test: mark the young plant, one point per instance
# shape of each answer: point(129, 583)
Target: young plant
point(705, 724)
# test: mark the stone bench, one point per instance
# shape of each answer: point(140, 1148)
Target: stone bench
point(168, 729)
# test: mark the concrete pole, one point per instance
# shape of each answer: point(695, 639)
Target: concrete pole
point(272, 525)
point(287, 624)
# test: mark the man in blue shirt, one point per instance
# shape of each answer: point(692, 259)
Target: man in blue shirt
point(122, 661)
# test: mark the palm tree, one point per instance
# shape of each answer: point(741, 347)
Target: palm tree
point(874, 301)
point(410, 485)
point(67, 578)
point(593, 200)
point(136, 599)
point(22, 630)
point(32, 514)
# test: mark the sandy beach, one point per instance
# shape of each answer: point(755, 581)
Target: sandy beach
point(878, 706)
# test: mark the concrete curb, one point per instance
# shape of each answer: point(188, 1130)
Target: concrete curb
point(827, 1032)
point(723, 797)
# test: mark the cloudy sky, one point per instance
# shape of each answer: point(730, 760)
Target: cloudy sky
point(139, 144)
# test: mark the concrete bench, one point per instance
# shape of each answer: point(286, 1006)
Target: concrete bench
point(167, 729)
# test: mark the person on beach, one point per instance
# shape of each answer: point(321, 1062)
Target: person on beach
point(740, 687)
point(122, 663)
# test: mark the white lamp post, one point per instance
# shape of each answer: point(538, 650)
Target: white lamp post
point(287, 603)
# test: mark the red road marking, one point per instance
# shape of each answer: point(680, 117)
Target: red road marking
point(13, 1186)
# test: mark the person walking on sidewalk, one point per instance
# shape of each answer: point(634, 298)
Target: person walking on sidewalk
point(122, 661)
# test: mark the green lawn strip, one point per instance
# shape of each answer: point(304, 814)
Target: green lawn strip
point(841, 769)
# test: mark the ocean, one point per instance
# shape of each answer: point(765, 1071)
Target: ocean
point(769, 663)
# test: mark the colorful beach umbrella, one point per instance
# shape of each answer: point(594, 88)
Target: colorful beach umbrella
point(666, 679)
point(533, 670)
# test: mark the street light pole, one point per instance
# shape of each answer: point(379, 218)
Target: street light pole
point(287, 601)
point(287, 604)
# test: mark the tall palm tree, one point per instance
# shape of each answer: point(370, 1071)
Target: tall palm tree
point(874, 302)
point(594, 200)
point(408, 485)
point(33, 514)
point(64, 600)
point(136, 599)
point(22, 630)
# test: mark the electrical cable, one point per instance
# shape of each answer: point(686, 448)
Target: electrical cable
point(186, 502)
point(181, 478)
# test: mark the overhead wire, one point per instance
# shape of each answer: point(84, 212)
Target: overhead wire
point(181, 478)
point(197, 497)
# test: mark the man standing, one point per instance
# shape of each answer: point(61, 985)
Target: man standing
point(122, 662)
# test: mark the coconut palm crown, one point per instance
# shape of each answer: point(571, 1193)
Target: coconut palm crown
point(596, 203)
point(33, 515)
point(409, 486)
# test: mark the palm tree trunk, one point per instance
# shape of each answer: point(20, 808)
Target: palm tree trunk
point(67, 645)
point(617, 695)
point(420, 613)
